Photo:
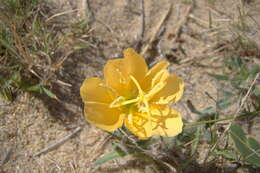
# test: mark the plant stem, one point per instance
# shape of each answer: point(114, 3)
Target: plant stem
point(209, 121)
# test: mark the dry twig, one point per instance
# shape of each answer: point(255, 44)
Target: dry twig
point(142, 20)
point(156, 30)
point(58, 143)
point(177, 31)
point(142, 27)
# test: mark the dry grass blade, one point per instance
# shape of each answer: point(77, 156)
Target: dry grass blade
point(60, 14)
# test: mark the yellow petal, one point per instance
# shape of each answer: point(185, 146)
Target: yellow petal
point(102, 116)
point(94, 90)
point(150, 75)
point(115, 75)
point(117, 72)
point(135, 64)
point(139, 125)
point(171, 92)
point(165, 122)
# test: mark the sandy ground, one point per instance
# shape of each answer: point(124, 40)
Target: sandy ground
point(32, 123)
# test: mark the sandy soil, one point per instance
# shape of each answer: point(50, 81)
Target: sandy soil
point(32, 123)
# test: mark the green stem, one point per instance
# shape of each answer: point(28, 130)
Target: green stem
point(209, 121)
point(222, 119)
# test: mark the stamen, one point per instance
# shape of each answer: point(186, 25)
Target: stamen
point(155, 90)
point(117, 102)
point(127, 102)
point(137, 85)
point(157, 77)
point(143, 99)
point(120, 101)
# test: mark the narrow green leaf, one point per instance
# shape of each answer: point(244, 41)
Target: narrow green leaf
point(257, 91)
point(227, 154)
point(253, 158)
point(225, 93)
point(235, 129)
point(33, 88)
point(49, 93)
point(207, 136)
point(109, 156)
point(208, 110)
point(6, 94)
point(193, 109)
point(218, 76)
point(197, 139)
point(224, 104)
point(248, 148)
point(254, 69)
point(253, 143)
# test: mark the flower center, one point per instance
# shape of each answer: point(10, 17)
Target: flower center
point(139, 103)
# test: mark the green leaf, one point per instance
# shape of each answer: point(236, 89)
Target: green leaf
point(257, 91)
point(254, 69)
point(208, 110)
point(248, 148)
point(197, 139)
point(196, 111)
point(109, 156)
point(49, 93)
point(207, 136)
point(224, 104)
point(227, 154)
point(253, 143)
point(254, 157)
point(218, 76)
point(33, 88)
point(6, 94)
point(225, 93)
point(235, 128)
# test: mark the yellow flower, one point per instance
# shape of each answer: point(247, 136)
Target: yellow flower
point(134, 96)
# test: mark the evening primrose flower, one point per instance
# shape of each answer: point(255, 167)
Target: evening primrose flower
point(133, 96)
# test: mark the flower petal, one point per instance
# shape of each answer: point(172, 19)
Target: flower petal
point(138, 124)
point(94, 90)
point(150, 75)
point(115, 75)
point(102, 116)
point(117, 72)
point(171, 92)
point(165, 121)
point(135, 64)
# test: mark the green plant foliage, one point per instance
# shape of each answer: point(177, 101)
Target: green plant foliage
point(219, 77)
point(116, 153)
point(226, 153)
point(249, 148)
point(32, 48)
